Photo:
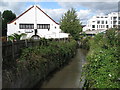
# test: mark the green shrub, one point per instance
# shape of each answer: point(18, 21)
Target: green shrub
point(103, 61)
point(85, 44)
point(37, 62)
point(38, 58)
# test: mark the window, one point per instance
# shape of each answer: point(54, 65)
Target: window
point(93, 26)
point(103, 26)
point(106, 22)
point(114, 18)
point(26, 26)
point(28, 31)
point(106, 26)
point(102, 22)
point(119, 22)
point(114, 26)
point(43, 26)
point(98, 22)
point(119, 18)
point(114, 22)
point(97, 26)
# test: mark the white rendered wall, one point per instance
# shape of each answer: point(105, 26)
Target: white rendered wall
point(102, 18)
point(33, 16)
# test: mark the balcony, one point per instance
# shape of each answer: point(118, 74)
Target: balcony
point(119, 18)
point(114, 22)
point(114, 18)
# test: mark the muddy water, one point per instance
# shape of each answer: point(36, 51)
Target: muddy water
point(69, 76)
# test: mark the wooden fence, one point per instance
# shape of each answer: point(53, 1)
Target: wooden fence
point(12, 50)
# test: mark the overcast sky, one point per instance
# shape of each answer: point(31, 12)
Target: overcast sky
point(56, 8)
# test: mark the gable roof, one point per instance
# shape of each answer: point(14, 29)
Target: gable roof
point(21, 15)
point(28, 10)
point(46, 14)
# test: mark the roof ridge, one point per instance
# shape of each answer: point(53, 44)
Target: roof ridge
point(21, 14)
point(28, 10)
point(46, 14)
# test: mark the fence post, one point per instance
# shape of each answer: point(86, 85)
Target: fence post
point(26, 45)
point(13, 52)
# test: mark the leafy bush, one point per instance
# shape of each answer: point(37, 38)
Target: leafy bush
point(37, 62)
point(85, 44)
point(103, 61)
point(57, 51)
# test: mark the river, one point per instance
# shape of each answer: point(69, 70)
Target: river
point(69, 76)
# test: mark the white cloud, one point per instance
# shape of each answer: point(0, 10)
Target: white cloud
point(84, 15)
point(56, 14)
point(61, 0)
point(96, 7)
point(16, 7)
point(91, 7)
point(87, 0)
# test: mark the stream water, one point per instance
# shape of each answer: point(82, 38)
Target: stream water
point(69, 76)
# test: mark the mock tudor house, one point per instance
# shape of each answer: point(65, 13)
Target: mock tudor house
point(35, 21)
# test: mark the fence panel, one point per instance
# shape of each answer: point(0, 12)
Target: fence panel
point(12, 50)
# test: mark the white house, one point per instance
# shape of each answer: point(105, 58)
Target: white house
point(103, 22)
point(35, 21)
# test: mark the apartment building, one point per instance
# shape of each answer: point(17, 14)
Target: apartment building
point(103, 22)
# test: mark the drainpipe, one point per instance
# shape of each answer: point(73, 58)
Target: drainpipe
point(35, 29)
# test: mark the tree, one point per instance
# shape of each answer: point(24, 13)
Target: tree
point(7, 16)
point(71, 24)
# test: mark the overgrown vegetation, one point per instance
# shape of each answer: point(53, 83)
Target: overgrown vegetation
point(84, 42)
point(103, 62)
point(35, 63)
point(58, 52)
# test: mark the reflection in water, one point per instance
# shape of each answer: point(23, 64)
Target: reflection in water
point(69, 76)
